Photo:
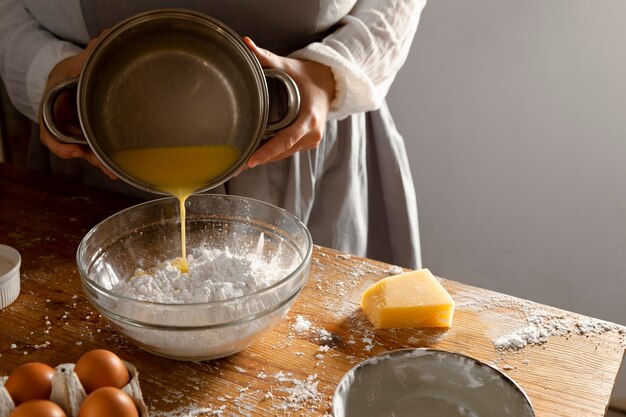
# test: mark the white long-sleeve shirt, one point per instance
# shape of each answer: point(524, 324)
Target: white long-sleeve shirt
point(364, 53)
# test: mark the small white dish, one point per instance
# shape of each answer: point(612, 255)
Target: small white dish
point(10, 262)
point(428, 383)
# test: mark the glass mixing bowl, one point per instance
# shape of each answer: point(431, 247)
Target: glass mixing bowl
point(147, 234)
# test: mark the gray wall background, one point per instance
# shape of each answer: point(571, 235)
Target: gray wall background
point(514, 116)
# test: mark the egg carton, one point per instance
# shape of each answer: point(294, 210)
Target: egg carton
point(69, 394)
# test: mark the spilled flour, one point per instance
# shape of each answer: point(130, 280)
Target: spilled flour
point(537, 323)
point(301, 324)
point(544, 324)
point(300, 393)
point(190, 411)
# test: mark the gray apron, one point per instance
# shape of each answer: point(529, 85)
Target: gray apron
point(354, 192)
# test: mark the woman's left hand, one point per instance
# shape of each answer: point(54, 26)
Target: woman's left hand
point(317, 89)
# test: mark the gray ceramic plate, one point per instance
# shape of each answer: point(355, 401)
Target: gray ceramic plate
point(428, 383)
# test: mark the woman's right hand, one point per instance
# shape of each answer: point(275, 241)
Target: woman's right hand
point(66, 114)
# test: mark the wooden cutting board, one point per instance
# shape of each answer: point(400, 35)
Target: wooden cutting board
point(292, 369)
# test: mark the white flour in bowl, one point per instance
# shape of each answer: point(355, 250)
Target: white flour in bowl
point(213, 275)
point(205, 313)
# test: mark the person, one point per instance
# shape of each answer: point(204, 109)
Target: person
point(341, 167)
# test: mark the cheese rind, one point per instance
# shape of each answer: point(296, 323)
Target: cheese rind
point(411, 299)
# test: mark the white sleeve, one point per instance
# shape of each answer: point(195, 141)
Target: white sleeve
point(28, 53)
point(366, 52)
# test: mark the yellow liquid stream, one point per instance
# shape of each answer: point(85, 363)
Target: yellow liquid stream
point(179, 171)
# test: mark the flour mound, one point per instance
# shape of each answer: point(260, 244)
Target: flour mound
point(214, 275)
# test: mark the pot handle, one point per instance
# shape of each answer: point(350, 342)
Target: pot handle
point(47, 112)
point(293, 101)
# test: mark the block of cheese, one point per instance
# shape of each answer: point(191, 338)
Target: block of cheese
point(412, 299)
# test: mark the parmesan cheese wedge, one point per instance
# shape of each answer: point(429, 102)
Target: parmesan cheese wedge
point(412, 299)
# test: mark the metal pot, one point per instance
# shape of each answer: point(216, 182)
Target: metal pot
point(172, 77)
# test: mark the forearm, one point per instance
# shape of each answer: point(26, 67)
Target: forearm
point(366, 52)
point(27, 55)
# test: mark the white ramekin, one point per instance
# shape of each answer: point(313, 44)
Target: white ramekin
point(10, 262)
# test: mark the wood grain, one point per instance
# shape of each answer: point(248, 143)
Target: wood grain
point(571, 374)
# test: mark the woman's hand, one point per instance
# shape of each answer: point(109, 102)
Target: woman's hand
point(315, 83)
point(66, 114)
point(317, 89)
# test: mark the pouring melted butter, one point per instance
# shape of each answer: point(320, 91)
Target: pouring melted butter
point(178, 171)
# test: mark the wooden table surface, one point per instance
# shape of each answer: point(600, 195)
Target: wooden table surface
point(569, 372)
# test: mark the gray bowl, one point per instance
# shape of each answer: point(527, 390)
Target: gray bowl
point(149, 233)
point(428, 383)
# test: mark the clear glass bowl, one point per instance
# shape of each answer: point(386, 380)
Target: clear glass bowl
point(145, 235)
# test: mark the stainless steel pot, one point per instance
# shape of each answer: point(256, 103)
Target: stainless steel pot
point(171, 77)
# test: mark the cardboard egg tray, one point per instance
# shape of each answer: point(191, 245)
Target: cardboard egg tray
point(69, 394)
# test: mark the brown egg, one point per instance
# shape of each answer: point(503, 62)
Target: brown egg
point(101, 368)
point(31, 381)
point(38, 408)
point(108, 402)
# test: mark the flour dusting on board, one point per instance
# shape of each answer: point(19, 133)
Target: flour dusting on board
point(301, 324)
point(544, 324)
point(288, 395)
point(349, 289)
point(300, 392)
point(536, 323)
point(190, 411)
